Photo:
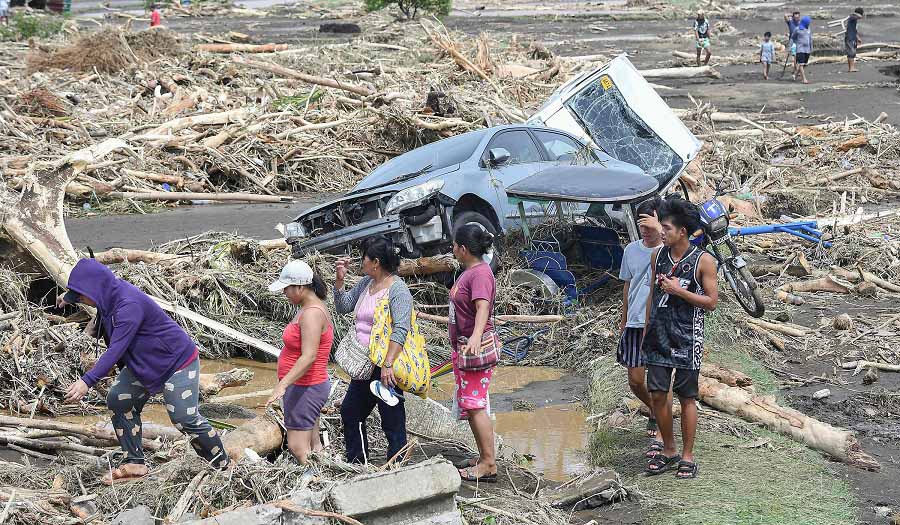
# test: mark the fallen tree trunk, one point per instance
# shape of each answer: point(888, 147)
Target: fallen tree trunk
point(776, 341)
point(725, 375)
point(310, 79)
point(212, 384)
point(786, 329)
point(101, 434)
point(427, 265)
point(121, 255)
point(188, 196)
point(261, 435)
point(240, 48)
point(841, 59)
point(786, 293)
point(681, 72)
point(206, 119)
point(836, 442)
point(858, 366)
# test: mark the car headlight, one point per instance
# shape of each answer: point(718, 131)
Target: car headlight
point(413, 196)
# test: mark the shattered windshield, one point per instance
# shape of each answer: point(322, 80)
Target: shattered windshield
point(437, 155)
point(613, 126)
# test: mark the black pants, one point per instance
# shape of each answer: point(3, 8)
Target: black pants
point(357, 405)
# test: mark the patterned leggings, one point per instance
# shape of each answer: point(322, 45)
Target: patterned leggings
point(181, 392)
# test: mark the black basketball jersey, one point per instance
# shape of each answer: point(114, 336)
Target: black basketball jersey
point(674, 335)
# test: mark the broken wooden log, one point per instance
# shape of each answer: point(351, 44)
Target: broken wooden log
point(212, 384)
point(205, 119)
point(836, 442)
point(427, 265)
point(106, 436)
point(726, 375)
point(240, 48)
point(44, 500)
point(782, 328)
point(261, 435)
point(681, 72)
point(50, 446)
point(121, 255)
point(859, 365)
point(786, 293)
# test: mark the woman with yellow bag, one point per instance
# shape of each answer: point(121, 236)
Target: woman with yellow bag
point(372, 385)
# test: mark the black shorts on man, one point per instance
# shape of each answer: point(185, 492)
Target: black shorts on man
point(685, 386)
point(674, 336)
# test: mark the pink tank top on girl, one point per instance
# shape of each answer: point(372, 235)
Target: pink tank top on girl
point(318, 371)
point(365, 315)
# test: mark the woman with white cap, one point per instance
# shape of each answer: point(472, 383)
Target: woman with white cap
point(303, 382)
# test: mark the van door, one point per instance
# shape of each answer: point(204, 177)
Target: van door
point(618, 110)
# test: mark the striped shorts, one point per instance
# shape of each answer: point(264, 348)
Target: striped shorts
point(629, 353)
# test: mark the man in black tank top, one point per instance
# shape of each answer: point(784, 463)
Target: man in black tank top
point(683, 288)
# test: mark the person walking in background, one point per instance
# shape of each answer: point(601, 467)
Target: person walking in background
point(701, 31)
point(155, 16)
point(635, 272)
point(851, 38)
point(793, 22)
point(303, 383)
point(471, 305)
point(154, 355)
point(685, 287)
point(4, 12)
point(380, 261)
point(766, 53)
point(802, 37)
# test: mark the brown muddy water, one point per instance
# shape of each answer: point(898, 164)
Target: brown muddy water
point(550, 431)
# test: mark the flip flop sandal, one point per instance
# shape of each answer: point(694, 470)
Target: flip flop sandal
point(655, 448)
point(470, 476)
point(465, 463)
point(662, 463)
point(652, 427)
point(687, 470)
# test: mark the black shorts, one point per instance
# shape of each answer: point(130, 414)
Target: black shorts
point(803, 58)
point(629, 353)
point(686, 385)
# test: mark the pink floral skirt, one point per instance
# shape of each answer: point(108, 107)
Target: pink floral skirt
point(471, 389)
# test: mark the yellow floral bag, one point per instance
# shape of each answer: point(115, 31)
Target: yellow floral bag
point(412, 370)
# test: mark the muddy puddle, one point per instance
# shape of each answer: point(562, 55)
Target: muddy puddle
point(536, 411)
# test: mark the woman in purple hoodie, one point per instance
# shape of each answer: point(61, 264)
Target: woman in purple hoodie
point(154, 355)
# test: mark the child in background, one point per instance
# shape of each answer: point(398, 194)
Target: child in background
point(155, 17)
point(766, 53)
point(4, 12)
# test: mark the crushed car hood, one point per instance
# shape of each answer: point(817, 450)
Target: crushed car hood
point(359, 192)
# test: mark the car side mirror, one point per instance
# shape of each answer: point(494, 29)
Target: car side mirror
point(498, 157)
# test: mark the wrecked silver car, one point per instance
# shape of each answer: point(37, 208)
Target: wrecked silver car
point(610, 117)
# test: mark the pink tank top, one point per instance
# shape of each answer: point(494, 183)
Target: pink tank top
point(318, 371)
point(365, 315)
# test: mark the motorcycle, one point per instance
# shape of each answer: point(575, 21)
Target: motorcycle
point(718, 242)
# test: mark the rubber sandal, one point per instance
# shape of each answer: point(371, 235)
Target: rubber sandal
point(687, 470)
point(652, 427)
point(662, 463)
point(655, 448)
point(386, 394)
point(470, 476)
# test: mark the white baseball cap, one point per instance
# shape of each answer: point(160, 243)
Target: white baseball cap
point(294, 273)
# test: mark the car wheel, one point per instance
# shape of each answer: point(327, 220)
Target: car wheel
point(473, 217)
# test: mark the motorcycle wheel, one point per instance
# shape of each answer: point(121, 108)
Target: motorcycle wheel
point(744, 286)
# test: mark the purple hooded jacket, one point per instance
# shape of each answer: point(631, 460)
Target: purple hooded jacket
point(139, 334)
